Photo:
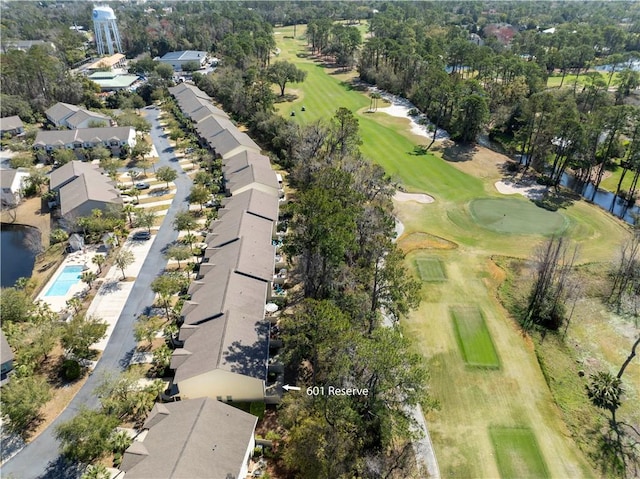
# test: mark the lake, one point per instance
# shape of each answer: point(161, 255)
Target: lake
point(19, 246)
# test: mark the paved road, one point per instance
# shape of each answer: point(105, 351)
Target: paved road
point(41, 458)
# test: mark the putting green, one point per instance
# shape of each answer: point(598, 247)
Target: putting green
point(431, 269)
point(517, 453)
point(473, 337)
point(514, 216)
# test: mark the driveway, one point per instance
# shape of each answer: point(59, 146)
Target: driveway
point(41, 458)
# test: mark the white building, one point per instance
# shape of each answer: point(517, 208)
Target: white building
point(177, 60)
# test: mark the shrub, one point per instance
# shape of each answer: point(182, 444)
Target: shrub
point(257, 409)
point(58, 236)
point(71, 369)
point(544, 180)
point(30, 190)
point(547, 204)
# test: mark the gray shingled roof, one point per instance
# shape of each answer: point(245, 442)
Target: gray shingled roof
point(60, 111)
point(187, 88)
point(228, 140)
point(252, 174)
point(212, 126)
point(205, 111)
point(232, 342)
point(82, 115)
point(246, 256)
point(65, 137)
point(253, 201)
point(189, 102)
point(9, 123)
point(70, 170)
point(88, 187)
point(196, 438)
point(242, 160)
point(224, 290)
point(236, 224)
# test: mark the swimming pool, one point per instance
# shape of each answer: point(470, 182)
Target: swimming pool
point(70, 275)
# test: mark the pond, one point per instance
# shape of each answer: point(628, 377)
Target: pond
point(19, 246)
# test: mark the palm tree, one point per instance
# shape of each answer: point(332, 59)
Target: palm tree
point(605, 391)
point(128, 209)
point(96, 471)
point(74, 303)
point(99, 260)
point(120, 441)
point(373, 105)
point(133, 174)
point(184, 221)
point(88, 277)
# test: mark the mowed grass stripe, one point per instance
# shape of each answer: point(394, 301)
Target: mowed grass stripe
point(517, 453)
point(431, 269)
point(473, 337)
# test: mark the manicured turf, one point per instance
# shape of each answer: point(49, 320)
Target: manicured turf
point(610, 182)
point(472, 398)
point(473, 337)
point(517, 453)
point(515, 216)
point(384, 138)
point(569, 79)
point(431, 269)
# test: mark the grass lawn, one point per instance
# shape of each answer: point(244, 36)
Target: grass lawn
point(431, 269)
point(504, 215)
point(473, 337)
point(517, 453)
point(610, 182)
point(570, 79)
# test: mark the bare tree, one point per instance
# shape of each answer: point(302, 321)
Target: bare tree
point(626, 273)
point(546, 304)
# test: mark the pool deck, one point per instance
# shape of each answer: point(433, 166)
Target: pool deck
point(110, 299)
point(112, 293)
point(77, 258)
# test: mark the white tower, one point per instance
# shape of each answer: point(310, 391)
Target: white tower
point(106, 31)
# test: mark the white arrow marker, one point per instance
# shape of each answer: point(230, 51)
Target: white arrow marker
point(290, 388)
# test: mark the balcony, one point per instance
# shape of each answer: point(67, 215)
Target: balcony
point(280, 261)
point(280, 277)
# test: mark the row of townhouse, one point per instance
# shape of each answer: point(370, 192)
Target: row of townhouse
point(224, 337)
point(224, 334)
point(114, 139)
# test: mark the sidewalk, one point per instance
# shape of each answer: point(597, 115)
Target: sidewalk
point(113, 294)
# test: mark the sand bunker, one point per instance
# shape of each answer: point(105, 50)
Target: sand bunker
point(419, 197)
point(400, 107)
point(399, 229)
point(528, 189)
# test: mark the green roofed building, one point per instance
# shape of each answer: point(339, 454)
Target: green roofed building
point(110, 81)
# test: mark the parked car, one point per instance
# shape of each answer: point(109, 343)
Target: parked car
point(141, 236)
point(142, 186)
